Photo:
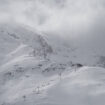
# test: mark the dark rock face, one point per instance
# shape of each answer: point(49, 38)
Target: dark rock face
point(77, 65)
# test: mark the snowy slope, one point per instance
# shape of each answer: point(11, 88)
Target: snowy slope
point(25, 62)
point(16, 40)
point(37, 69)
point(22, 51)
point(84, 87)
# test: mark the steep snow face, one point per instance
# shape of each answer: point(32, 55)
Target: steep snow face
point(17, 40)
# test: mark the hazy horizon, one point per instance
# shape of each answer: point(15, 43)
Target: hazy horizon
point(70, 19)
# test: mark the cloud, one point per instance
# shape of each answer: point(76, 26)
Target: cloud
point(73, 18)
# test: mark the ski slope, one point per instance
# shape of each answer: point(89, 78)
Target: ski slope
point(36, 69)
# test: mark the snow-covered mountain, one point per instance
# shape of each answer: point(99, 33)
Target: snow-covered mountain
point(41, 69)
point(16, 40)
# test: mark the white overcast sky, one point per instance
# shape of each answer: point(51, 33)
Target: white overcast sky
point(66, 17)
